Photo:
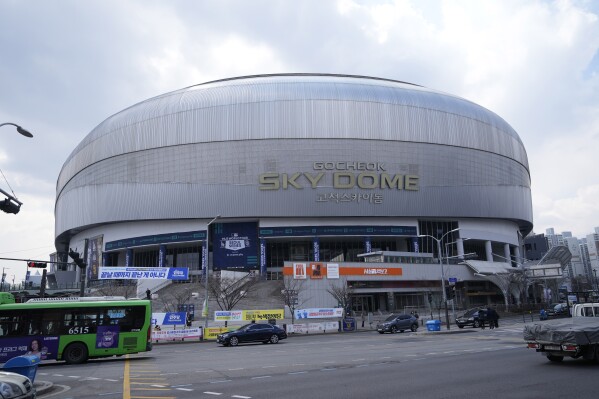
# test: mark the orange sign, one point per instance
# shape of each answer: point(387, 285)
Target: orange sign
point(317, 270)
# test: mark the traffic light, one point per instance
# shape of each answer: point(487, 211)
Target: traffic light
point(9, 206)
point(39, 265)
point(78, 261)
point(450, 292)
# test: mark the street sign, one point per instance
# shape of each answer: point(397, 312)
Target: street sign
point(453, 280)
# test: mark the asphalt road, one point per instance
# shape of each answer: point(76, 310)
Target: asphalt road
point(463, 363)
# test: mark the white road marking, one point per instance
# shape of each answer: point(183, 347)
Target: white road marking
point(262, 376)
point(184, 389)
point(213, 393)
point(219, 381)
point(298, 372)
point(241, 397)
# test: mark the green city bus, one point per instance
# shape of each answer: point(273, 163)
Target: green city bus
point(74, 329)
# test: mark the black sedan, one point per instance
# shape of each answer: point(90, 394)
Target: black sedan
point(265, 333)
point(469, 318)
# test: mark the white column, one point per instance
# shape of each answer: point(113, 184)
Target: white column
point(460, 247)
point(518, 255)
point(507, 253)
point(489, 251)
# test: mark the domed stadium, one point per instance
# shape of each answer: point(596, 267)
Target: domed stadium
point(257, 173)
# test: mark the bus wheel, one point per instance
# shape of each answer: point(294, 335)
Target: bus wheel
point(75, 353)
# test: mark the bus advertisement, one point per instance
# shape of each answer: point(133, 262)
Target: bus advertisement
point(74, 329)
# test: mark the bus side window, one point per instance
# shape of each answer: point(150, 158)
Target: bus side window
point(596, 309)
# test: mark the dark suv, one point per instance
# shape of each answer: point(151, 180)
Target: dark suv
point(469, 318)
point(398, 322)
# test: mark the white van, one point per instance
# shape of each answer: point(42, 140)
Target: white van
point(586, 310)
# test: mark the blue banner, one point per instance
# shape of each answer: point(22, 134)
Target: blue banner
point(173, 319)
point(263, 257)
point(235, 246)
point(299, 231)
point(136, 273)
point(178, 273)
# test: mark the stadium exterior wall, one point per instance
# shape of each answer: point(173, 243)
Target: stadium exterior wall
point(296, 149)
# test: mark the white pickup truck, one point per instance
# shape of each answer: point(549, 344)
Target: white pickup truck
point(574, 337)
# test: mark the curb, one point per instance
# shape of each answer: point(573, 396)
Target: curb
point(42, 387)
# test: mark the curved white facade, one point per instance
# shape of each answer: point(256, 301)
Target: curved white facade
point(299, 150)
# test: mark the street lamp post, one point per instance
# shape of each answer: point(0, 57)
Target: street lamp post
point(207, 270)
point(11, 204)
point(438, 240)
point(595, 285)
point(24, 132)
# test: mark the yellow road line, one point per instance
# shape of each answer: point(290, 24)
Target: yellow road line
point(126, 385)
point(153, 397)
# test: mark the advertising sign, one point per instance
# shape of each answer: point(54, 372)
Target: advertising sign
point(316, 270)
point(169, 318)
point(43, 347)
point(228, 315)
point(318, 313)
point(332, 270)
point(248, 315)
point(170, 335)
point(212, 332)
point(107, 337)
point(135, 273)
point(235, 246)
point(299, 271)
point(264, 314)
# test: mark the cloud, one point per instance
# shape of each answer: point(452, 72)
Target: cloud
point(73, 64)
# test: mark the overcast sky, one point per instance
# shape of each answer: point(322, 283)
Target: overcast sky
point(65, 66)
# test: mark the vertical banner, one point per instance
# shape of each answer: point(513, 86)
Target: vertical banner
point(367, 245)
point(263, 257)
point(205, 256)
point(94, 257)
point(316, 245)
point(415, 244)
point(129, 257)
point(162, 255)
point(235, 246)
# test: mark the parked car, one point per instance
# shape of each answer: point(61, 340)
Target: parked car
point(398, 322)
point(265, 333)
point(557, 309)
point(15, 386)
point(469, 318)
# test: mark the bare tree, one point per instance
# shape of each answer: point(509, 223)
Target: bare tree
point(342, 292)
point(291, 290)
point(171, 301)
point(126, 288)
point(228, 291)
